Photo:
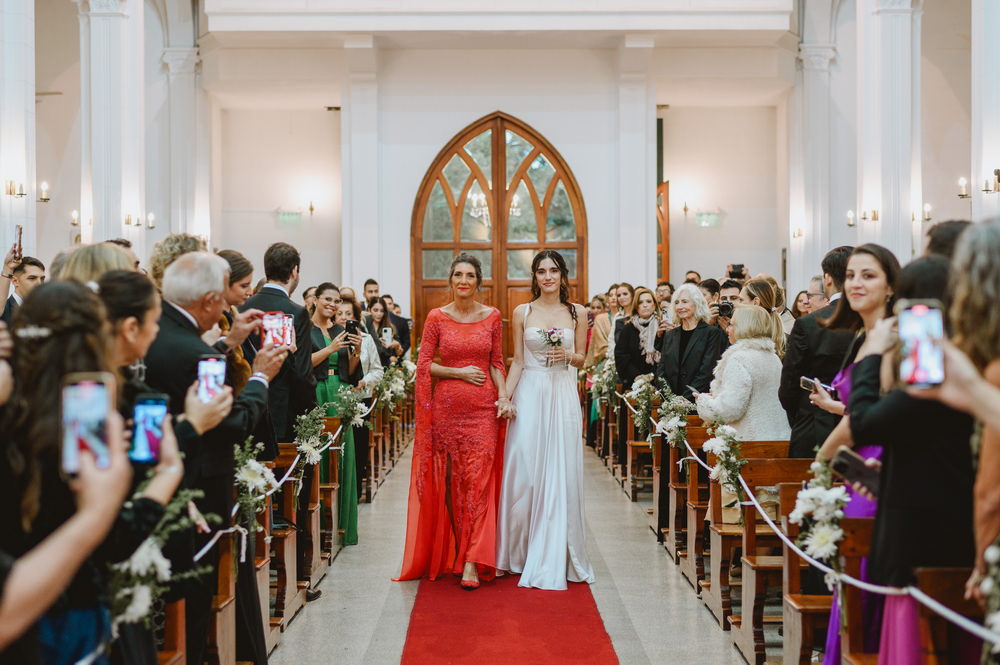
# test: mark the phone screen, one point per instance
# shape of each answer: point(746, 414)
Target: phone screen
point(922, 360)
point(288, 331)
point(273, 331)
point(147, 433)
point(211, 377)
point(84, 424)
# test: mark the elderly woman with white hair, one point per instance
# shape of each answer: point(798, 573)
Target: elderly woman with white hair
point(688, 353)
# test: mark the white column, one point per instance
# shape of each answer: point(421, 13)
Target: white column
point(889, 124)
point(112, 119)
point(181, 67)
point(360, 164)
point(636, 162)
point(811, 208)
point(17, 122)
point(985, 102)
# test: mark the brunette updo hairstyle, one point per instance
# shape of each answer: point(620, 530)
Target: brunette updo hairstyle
point(239, 265)
point(125, 294)
point(60, 329)
point(560, 262)
point(464, 257)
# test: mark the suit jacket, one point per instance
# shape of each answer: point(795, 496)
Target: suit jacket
point(703, 351)
point(171, 368)
point(926, 478)
point(814, 352)
point(322, 370)
point(9, 308)
point(402, 331)
point(293, 390)
point(630, 361)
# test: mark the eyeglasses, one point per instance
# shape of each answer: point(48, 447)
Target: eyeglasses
point(818, 294)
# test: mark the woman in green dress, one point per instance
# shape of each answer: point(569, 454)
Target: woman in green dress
point(334, 365)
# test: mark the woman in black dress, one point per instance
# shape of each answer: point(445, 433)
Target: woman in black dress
point(689, 352)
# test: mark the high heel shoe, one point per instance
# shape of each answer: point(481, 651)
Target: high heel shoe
point(469, 585)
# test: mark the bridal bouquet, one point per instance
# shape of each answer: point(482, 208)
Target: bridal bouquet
point(551, 338)
point(818, 509)
point(726, 448)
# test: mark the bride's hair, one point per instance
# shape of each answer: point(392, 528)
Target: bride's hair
point(560, 262)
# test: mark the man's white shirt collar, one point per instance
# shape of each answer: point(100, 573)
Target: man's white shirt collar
point(17, 298)
point(836, 296)
point(277, 287)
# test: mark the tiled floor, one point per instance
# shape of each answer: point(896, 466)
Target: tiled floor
point(649, 610)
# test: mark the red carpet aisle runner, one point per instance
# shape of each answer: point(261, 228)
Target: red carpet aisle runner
point(500, 624)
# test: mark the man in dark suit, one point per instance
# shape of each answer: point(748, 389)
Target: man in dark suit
point(192, 304)
point(25, 275)
point(293, 391)
point(814, 352)
point(402, 325)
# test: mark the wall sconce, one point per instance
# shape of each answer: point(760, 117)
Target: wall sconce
point(43, 195)
point(963, 189)
point(11, 188)
point(798, 233)
point(685, 208)
point(128, 220)
point(870, 217)
point(927, 212)
point(851, 222)
point(312, 208)
point(151, 221)
point(992, 185)
point(74, 218)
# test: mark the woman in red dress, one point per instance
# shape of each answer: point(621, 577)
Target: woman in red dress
point(457, 450)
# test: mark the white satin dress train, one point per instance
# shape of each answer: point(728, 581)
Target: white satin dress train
point(541, 525)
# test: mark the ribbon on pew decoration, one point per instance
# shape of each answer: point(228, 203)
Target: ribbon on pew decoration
point(219, 534)
point(966, 624)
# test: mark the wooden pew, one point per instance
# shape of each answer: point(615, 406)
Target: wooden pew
point(262, 564)
point(804, 614)
point(174, 650)
point(853, 548)
point(760, 571)
point(222, 635)
point(723, 538)
point(290, 595)
point(937, 635)
point(690, 543)
point(329, 493)
point(637, 452)
point(675, 504)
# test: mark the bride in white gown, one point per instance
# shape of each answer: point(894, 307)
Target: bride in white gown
point(541, 526)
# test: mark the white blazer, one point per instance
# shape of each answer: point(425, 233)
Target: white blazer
point(371, 366)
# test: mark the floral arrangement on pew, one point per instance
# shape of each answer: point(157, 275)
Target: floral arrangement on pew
point(672, 424)
point(818, 509)
point(349, 404)
point(139, 581)
point(728, 461)
point(309, 439)
point(643, 393)
point(409, 369)
point(253, 481)
point(605, 380)
point(990, 586)
point(391, 390)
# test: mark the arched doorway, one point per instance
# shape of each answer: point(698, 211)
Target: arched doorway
point(501, 192)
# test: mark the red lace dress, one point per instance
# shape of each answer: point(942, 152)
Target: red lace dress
point(457, 452)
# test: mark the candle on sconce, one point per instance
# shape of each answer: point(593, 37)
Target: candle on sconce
point(151, 221)
point(850, 218)
point(963, 187)
point(44, 187)
point(74, 218)
point(927, 212)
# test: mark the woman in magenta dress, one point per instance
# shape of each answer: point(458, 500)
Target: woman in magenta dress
point(869, 294)
point(457, 450)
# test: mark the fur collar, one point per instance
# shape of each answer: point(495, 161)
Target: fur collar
point(754, 344)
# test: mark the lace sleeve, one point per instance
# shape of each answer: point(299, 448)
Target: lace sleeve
point(422, 440)
point(496, 351)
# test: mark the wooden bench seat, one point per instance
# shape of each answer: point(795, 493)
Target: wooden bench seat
point(174, 635)
point(853, 548)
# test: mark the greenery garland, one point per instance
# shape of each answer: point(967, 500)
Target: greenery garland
point(253, 481)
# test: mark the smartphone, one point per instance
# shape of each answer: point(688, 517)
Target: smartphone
point(693, 390)
point(86, 402)
point(211, 376)
point(386, 336)
point(736, 272)
point(352, 327)
point(148, 414)
point(810, 385)
point(272, 329)
point(288, 331)
point(852, 468)
point(726, 309)
point(921, 328)
point(19, 240)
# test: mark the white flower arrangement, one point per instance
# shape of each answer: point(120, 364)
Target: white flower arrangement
point(605, 380)
point(726, 447)
point(643, 393)
point(990, 587)
point(673, 417)
point(253, 481)
point(818, 510)
point(349, 405)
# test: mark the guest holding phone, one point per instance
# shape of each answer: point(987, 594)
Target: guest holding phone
point(380, 327)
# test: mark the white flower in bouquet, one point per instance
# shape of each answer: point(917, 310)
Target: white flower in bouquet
point(256, 476)
point(720, 473)
point(725, 431)
point(147, 558)
point(310, 451)
point(993, 623)
point(816, 467)
point(668, 427)
point(992, 554)
point(716, 446)
point(822, 541)
point(138, 608)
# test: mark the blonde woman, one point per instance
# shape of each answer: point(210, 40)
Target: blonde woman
point(88, 263)
point(761, 292)
point(746, 381)
point(688, 352)
point(168, 250)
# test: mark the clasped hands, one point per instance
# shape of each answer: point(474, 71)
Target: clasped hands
point(505, 409)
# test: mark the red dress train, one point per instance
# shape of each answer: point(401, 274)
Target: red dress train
point(457, 452)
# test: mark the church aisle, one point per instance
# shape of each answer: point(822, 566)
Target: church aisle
point(648, 609)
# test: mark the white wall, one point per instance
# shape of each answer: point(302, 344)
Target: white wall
point(426, 97)
point(274, 159)
point(57, 117)
point(723, 157)
point(946, 97)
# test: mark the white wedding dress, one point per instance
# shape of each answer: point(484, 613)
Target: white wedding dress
point(541, 526)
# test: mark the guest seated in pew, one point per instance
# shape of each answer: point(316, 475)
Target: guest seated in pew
point(869, 288)
point(689, 352)
point(743, 391)
point(924, 514)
